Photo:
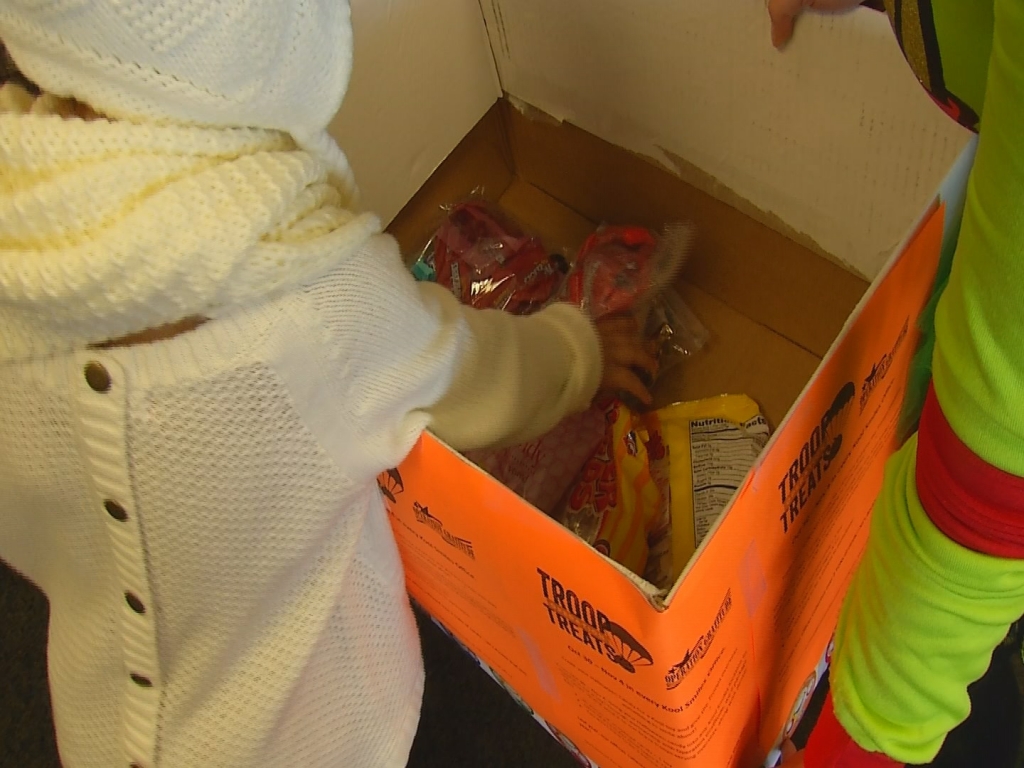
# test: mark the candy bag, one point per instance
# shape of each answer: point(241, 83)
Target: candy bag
point(628, 270)
point(712, 444)
point(539, 471)
point(487, 261)
point(623, 269)
point(620, 501)
point(659, 481)
point(614, 269)
point(677, 331)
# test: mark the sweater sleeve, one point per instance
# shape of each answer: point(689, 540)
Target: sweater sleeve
point(942, 577)
point(407, 356)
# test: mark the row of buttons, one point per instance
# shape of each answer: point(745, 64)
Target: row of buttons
point(99, 380)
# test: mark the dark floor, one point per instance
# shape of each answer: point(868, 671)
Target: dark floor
point(468, 720)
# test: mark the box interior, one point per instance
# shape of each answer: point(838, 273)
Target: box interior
point(773, 306)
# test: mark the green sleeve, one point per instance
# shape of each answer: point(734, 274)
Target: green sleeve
point(923, 613)
point(918, 626)
point(979, 348)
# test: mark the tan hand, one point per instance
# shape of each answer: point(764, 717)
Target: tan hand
point(785, 12)
point(626, 356)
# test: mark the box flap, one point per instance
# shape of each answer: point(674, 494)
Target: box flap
point(834, 137)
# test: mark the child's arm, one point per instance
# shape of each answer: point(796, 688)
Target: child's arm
point(943, 575)
point(406, 356)
point(514, 377)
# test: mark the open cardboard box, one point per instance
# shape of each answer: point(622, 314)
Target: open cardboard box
point(822, 183)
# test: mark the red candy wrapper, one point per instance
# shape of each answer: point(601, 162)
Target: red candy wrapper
point(488, 262)
point(613, 271)
point(623, 269)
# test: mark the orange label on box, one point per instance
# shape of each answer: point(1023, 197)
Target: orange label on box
point(713, 679)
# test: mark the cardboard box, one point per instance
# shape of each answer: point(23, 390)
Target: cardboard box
point(822, 194)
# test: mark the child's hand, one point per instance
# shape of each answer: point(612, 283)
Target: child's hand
point(628, 359)
point(784, 13)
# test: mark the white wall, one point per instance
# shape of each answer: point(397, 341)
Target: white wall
point(423, 75)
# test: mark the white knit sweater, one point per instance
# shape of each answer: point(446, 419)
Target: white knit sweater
point(202, 512)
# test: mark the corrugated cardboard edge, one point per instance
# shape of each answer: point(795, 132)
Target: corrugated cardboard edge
point(951, 191)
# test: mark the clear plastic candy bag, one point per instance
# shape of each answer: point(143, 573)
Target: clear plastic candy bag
point(629, 270)
point(488, 261)
point(679, 332)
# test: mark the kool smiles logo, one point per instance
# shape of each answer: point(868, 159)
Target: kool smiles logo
point(465, 546)
point(881, 368)
point(699, 649)
point(391, 486)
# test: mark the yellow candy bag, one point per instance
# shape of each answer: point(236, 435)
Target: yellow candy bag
point(712, 444)
point(620, 500)
point(658, 481)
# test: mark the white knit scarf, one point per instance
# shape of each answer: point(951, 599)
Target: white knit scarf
point(108, 228)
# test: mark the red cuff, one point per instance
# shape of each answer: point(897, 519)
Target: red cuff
point(830, 746)
point(978, 506)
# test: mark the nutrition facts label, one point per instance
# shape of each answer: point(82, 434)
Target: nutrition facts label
point(721, 453)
